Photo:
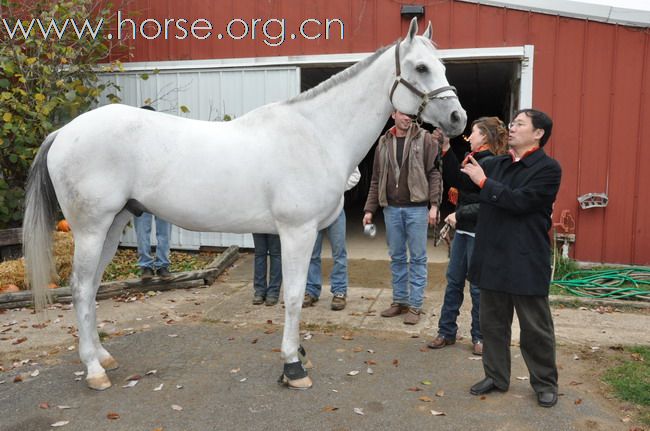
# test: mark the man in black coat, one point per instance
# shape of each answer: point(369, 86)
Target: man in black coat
point(511, 260)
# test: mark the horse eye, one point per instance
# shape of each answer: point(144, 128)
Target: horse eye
point(421, 68)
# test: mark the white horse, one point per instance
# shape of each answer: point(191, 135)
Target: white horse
point(281, 168)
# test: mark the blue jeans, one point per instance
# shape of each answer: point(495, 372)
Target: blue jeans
point(461, 254)
point(143, 233)
point(407, 227)
point(339, 275)
point(267, 244)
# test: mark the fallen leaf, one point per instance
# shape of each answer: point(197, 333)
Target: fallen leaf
point(483, 397)
point(150, 372)
point(44, 406)
point(347, 337)
point(414, 389)
point(63, 407)
point(79, 373)
point(576, 357)
point(426, 382)
point(475, 358)
point(269, 322)
point(18, 379)
point(340, 350)
point(330, 409)
point(396, 362)
point(276, 350)
point(59, 424)
point(370, 362)
point(359, 411)
point(172, 335)
point(437, 413)
point(424, 349)
point(254, 341)
point(440, 393)
point(522, 378)
point(112, 416)
point(370, 371)
point(426, 399)
point(353, 373)
point(35, 373)
point(159, 387)
point(574, 383)
point(370, 351)
point(271, 331)
point(235, 370)
point(578, 401)
point(131, 384)
point(179, 386)
point(134, 377)
point(307, 336)
point(20, 340)
point(177, 407)
point(243, 380)
point(637, 357)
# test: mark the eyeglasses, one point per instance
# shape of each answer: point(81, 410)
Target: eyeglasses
point(516, 124)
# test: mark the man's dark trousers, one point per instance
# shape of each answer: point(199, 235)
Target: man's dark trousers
point(537, 338)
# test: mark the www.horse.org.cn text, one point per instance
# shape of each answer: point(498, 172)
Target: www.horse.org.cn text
point(271, 31)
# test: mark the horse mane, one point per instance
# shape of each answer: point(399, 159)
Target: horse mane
point(340, 77)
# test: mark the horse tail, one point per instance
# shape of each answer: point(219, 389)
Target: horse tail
point(38, 223)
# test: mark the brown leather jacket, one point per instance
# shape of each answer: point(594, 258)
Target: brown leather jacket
point(417, 182)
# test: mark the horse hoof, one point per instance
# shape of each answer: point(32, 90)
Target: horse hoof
point(109, 364)
point(98, 383)
point(298, 384)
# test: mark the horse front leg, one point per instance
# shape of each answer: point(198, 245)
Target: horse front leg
point(297, 246)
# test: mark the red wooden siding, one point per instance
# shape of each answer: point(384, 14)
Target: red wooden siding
point(592, 78)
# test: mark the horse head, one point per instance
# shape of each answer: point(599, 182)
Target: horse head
point(421, 87)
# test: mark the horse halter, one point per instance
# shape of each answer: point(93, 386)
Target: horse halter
point(426, 97)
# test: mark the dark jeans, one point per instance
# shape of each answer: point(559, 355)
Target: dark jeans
point(537, 338)
point(462, 247)
point(267, 245)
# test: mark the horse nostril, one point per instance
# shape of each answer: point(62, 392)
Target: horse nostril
point(455, 117)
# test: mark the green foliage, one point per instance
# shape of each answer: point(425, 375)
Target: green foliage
point(44, 83)
point(631, 379)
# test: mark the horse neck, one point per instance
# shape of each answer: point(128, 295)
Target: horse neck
point(351, 115)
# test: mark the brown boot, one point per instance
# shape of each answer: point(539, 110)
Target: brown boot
point(395, 309)
point(477, 348)
point(309, 301)
point(412, 317)
point(439, 342)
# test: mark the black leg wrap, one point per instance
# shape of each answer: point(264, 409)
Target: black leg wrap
point(294, 371)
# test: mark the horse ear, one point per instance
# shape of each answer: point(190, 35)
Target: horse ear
point(413, 29)
point(428, 33)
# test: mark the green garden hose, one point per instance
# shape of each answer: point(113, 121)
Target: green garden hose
point(624, 283)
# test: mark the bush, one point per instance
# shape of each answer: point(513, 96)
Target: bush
point(44, 83)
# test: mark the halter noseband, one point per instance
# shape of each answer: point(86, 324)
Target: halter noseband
point(426, 97)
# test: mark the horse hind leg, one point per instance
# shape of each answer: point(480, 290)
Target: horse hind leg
point(297, 246)
point(88, 253)
point(108, 251)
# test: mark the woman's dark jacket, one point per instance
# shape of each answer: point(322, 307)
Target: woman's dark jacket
point(468, 192)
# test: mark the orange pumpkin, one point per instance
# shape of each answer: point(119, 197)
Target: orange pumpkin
point(63, 226)
point(9, 288)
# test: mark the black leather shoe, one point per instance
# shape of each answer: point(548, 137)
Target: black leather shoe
point(485, 386)
point(546, 399)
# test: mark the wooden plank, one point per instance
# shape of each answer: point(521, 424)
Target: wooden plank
point(11, 236)
point(180, 280)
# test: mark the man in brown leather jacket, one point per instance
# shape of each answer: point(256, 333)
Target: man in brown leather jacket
point(406, 182)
